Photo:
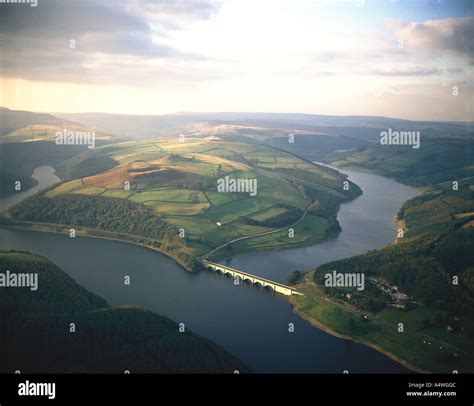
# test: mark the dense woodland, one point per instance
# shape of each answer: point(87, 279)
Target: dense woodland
point(35, 331)
point(437, 246)
point(441, 158)
point(125, 219)
point(103, 213)
point(19, 160)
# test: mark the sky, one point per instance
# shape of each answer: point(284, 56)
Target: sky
point(410, 59)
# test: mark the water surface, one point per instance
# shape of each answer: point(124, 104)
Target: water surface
point(45, 175)
point(367, 223)
point(249, 322)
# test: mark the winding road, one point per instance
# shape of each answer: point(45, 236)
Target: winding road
point(253, 236)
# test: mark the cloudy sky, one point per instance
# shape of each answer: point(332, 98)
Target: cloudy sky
point(382, 57)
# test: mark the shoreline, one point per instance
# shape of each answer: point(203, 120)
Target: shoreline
point(302, 244)
point(315, 323)
point(93, 233)
point(351, 167)
point(80, 233)
point(291, 301)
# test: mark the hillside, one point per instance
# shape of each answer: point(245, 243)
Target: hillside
point(441, 158)
point(177, 184)
point(35, 332)
point(27, 126)
point(425, 279)
point(11, 120)
point(315, 135)
point(27, 140)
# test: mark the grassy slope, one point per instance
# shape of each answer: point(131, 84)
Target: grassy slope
point(437, 244)
point(27, 140)
point(178, 181)
point(439, 159)
point(35, 337)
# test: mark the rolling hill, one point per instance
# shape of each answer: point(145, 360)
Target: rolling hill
point(425, 279)
point(175, 183)
point(36, 337)
point(27, 140)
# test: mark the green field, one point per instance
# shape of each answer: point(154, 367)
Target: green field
point(179, 181)
point(430, 349)
point(170, 195)
point(177, 208)
point(268, 213)
point(436, 247)
point(124, 194)
point(311, 230)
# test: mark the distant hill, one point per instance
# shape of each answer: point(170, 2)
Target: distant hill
point(316, 135)
point(440, 158)
point(35, 332)
point(25, 126)
point(11, 120)
point(27, 140)
point(146, 125)
point(134, 126)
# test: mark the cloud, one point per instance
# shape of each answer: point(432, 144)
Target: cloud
point(400, 49)
point(408, 71)
point(35, 41)
point(176, 12)
point(450, 36)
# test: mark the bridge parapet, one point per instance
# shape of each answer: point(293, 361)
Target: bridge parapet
point(276, 286)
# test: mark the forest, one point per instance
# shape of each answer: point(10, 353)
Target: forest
point(104, 213)
point(36, 334)
point(434, 254)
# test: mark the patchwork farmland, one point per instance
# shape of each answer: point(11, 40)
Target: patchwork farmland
point(178, 181)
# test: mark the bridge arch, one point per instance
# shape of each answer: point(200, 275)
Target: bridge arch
point(269, 287)
point(247, 279)
point(264, 283)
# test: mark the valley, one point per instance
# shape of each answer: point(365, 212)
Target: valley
point(232, 190)
point(49, 331)
point(431, 328)
point(176, 185)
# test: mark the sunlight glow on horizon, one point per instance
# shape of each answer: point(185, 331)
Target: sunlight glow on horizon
point(305, 57)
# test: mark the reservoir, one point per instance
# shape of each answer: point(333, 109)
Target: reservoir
point(367, 222)
point(249, 322)
point(44, 175)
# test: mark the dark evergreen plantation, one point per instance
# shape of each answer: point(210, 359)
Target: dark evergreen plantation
point(35, 332)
